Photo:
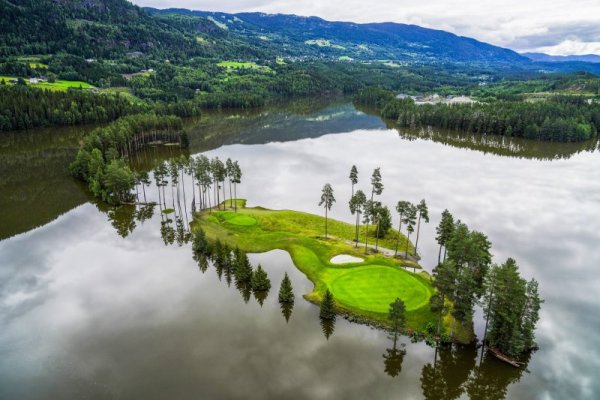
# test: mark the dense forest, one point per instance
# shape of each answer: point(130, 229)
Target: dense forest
point(102, 160)
point(558, 119)
point(103, 59)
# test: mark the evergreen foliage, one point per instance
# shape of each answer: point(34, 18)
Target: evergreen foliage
point(101, 160)
point(286, 292)
point(327, 309)
point(260, 281)
point(512, 307)
point(396, 316)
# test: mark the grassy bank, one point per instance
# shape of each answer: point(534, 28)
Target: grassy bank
point(362, 289)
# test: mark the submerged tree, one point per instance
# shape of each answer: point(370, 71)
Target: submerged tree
point(357, 205)
point(424, 215)
point(327, 200)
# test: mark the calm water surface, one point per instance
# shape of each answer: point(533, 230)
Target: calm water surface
point(94, 304)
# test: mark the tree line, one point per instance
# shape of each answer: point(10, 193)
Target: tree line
point(464, 276)
point(101, 162)
point(235, 266)
point(557, 119)
point(374, 213)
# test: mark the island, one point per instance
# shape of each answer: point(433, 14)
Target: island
point(363, 288)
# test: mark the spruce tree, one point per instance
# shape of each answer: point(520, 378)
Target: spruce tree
point(286, 293)
point(260, 281)
point(200, 245)
point(327, 310)
point(243, 269)
point(397, 316)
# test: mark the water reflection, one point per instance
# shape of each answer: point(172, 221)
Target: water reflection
point(327, 326)
point(446, 376)
point(491, 379)
point(286, 310)
point(394, 357)
point(95, 305)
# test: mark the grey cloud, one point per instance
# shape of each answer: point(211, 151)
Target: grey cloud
point(586, 31)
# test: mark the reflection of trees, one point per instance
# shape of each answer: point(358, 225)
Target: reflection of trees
point(260, 296)
point(144, 213)
point(499, 145)
point(202, 262)
point(245, 289)
point(446, 376)
point(327, 326)
point(491, 379)
point(393, 358)
point(286, 310)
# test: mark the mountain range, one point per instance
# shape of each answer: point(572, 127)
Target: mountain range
point(588, 58)
point(115, 28)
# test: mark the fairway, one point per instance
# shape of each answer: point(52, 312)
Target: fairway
point(374, 287)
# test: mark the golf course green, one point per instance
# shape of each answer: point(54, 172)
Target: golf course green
point(362, 289)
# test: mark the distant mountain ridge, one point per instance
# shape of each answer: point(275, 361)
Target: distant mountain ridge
point(542, 57)
point(305, 36)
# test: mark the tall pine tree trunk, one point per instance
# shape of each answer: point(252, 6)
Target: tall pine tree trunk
point(418, 229)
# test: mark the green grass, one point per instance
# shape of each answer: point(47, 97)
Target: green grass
point(62, 85)
point(58, 85)
point(233, 65)
point(364, 289)
point(373, 288)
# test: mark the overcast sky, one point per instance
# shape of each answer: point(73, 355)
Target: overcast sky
point(550, 26)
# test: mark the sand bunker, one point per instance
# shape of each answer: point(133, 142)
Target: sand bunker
point(345, 258)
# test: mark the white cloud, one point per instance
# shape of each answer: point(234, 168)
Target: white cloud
point(570, 47)
point(500, 22)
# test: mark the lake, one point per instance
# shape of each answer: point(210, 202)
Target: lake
point(105, 303)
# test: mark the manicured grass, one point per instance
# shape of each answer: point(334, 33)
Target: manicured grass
point(364, 289)
point(373, 288)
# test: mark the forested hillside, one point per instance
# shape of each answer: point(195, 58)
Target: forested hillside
point(65, 62)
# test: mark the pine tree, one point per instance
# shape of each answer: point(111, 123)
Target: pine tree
point(200, 245)
point(260, 281)
point(327, 200)
point(396, 316)
point(243, 269)
point(327, 310)
point(353, 178)
point(286, 293)
point(444, 232)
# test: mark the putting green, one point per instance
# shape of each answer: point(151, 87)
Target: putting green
point(374, 287)
point(237, 219)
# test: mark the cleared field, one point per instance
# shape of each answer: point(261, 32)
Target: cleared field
point(233, 65)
